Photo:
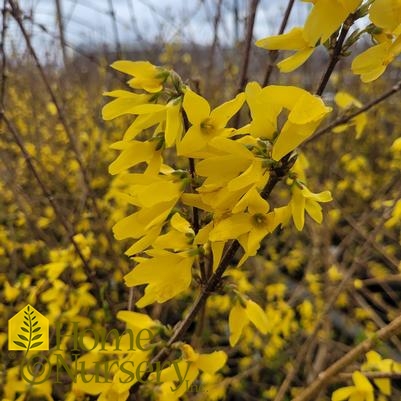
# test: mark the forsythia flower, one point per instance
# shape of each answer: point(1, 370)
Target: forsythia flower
point(324, 19)
point(248, 227)
point(155, 195)
point(206, 124)
point(306, 111)
point(116, 389)
point(346, 101)
point(192, 364)
point(124, 103)
point(293, 40)
point(229, 174)
point(241, 316)
point(386, 14)
point(145, 75)
point(362, 390)
point(373, 62)
point(304, 200)
point(166, 275)
point(376, 363)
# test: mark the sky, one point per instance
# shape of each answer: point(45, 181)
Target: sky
point(88, 22)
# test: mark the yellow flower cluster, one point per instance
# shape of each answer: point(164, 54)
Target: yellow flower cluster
point(228, 169)
point(324, 21)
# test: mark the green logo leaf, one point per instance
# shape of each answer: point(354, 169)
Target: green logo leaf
point(31, 327)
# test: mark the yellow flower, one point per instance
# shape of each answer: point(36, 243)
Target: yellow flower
point(124, 103)
point(191, 365)
point(396, 146)
point(293, 40)
point(372, 63)
point(132, 153)
point(386, 14)
point(241, 316)
point(10, 292)
point(155, 195)
point(346, 101)
point(362, 390)
point(304, 200)
point(178, 238)
point(324, 19)
point(306, 111)
point(115, 388)
point(248, 227)
point(174, 125)
point(145, 75)
point(376, 363)
point(166, 275)
point(232, 172)
point(206, 124)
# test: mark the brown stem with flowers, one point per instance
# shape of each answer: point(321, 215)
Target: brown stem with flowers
point(276, 175)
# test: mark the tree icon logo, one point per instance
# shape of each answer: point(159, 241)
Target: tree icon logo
point(28, 330)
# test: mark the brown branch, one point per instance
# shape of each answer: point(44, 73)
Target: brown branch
point(336, 53)
point(253, 5)
point(214, 281)
point(303, 351)
point(273, 54)
point(3, 54)
point(370, 375)
point(112, 14)
point(16, 13)
point(349, 116)
point(60, 23)
point(213, 47)
point(324, 377)
point(90, 273)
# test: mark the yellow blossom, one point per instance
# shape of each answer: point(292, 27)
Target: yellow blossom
point(241, 316)
point(145, 75)
point(206, 124)
point(372, 63)
point(362, 390)
point(376, 363)
point(306, 111)
point(293, 40)
point(304, 200)
point(324, 19)
point(386, 14)
point(192, 364)
point(124, 103)
point(346, 101)
point(249, 227)
point(166, 275)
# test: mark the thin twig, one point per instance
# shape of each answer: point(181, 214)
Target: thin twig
point(57, 211)
point(335, 56)
point(60, 23)
point(349, 116)
point(324, 377)
point(213, 47)
point(3, 53)
point(115, 28)
point(253, 5)
point(16, 13)
point(273, 54)
point(370, 375)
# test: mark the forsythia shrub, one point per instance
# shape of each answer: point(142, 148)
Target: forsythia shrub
point(205, 198)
